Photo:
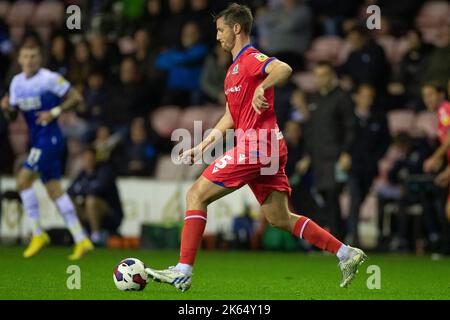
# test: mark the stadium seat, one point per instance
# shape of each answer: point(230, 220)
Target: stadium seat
point(74, 159)
point(19, 126)
point(16, 33)
point(18, 136)
point(167, 170)
point(426, 124)
point(165, 119)
point(49, 13)
point(324, 48)
point(214, 114)
point(193, 114)
point(19, 142)
point(401, 121)
point(20, 13)
point(305, 81)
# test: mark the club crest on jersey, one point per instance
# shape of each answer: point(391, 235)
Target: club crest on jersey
point(261, 57)
point(235, 69)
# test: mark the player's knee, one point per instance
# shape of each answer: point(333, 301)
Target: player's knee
point(194, 197)
point(279, 222)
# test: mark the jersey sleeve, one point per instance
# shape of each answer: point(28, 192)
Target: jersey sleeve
point(57, 84)
point(257, 63)
point(13, 93)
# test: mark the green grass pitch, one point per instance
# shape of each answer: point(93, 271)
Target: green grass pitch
point(223, 275)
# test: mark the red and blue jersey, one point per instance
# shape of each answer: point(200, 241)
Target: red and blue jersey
point(444, 122)
point(244, 75)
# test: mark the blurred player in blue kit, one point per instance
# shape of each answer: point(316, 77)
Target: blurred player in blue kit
point(42, 95)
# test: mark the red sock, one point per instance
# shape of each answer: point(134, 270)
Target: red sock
point(307, 229)
point(194, 226)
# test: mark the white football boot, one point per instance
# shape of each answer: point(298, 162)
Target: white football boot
point(171, 276)
point(349, 267)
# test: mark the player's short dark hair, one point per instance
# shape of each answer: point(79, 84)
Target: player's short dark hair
point(435, 85)
point(237, 13)
point(31, 46)
point(31, 40)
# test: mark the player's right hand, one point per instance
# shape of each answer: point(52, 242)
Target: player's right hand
point(259, 102)
point(190, 156)
point(4, 103)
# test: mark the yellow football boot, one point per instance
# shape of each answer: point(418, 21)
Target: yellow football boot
point(36, 244)
point(81, 248)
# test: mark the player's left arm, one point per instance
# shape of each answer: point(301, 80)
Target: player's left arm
point(69, 101)
point(278, 73)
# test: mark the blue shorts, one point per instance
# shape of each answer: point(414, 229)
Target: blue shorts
point(45, 159)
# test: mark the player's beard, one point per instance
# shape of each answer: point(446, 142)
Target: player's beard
point(230, 47)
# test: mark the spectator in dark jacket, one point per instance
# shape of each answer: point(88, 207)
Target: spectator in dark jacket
point(59, 55)
point(370, 143)
point(329, 135)
point(184, 67)
point(145, 55)
point(152, 20)
point(213, 75)
point(406, 84)
point(138, 154)
point(96, 196)
point(80, 64)
point(95, 98)
point(366, 63)
point(171, 28)
point(127, 99)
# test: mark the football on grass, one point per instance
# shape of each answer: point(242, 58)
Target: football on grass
point(130, 275)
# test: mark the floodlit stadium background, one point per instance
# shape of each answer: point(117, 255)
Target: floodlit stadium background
point(133, 104)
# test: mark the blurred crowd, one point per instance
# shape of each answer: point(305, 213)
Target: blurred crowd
point(353, 113)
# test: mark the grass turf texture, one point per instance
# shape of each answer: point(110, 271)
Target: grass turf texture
point(223, 275)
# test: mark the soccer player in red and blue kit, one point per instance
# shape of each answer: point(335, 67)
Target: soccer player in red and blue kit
point(433, 95)
point(249, 90)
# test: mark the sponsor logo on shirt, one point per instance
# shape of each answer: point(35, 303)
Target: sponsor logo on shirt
point(233, 89)
point(235, 69)
point(31, 103)
point(261, 57)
